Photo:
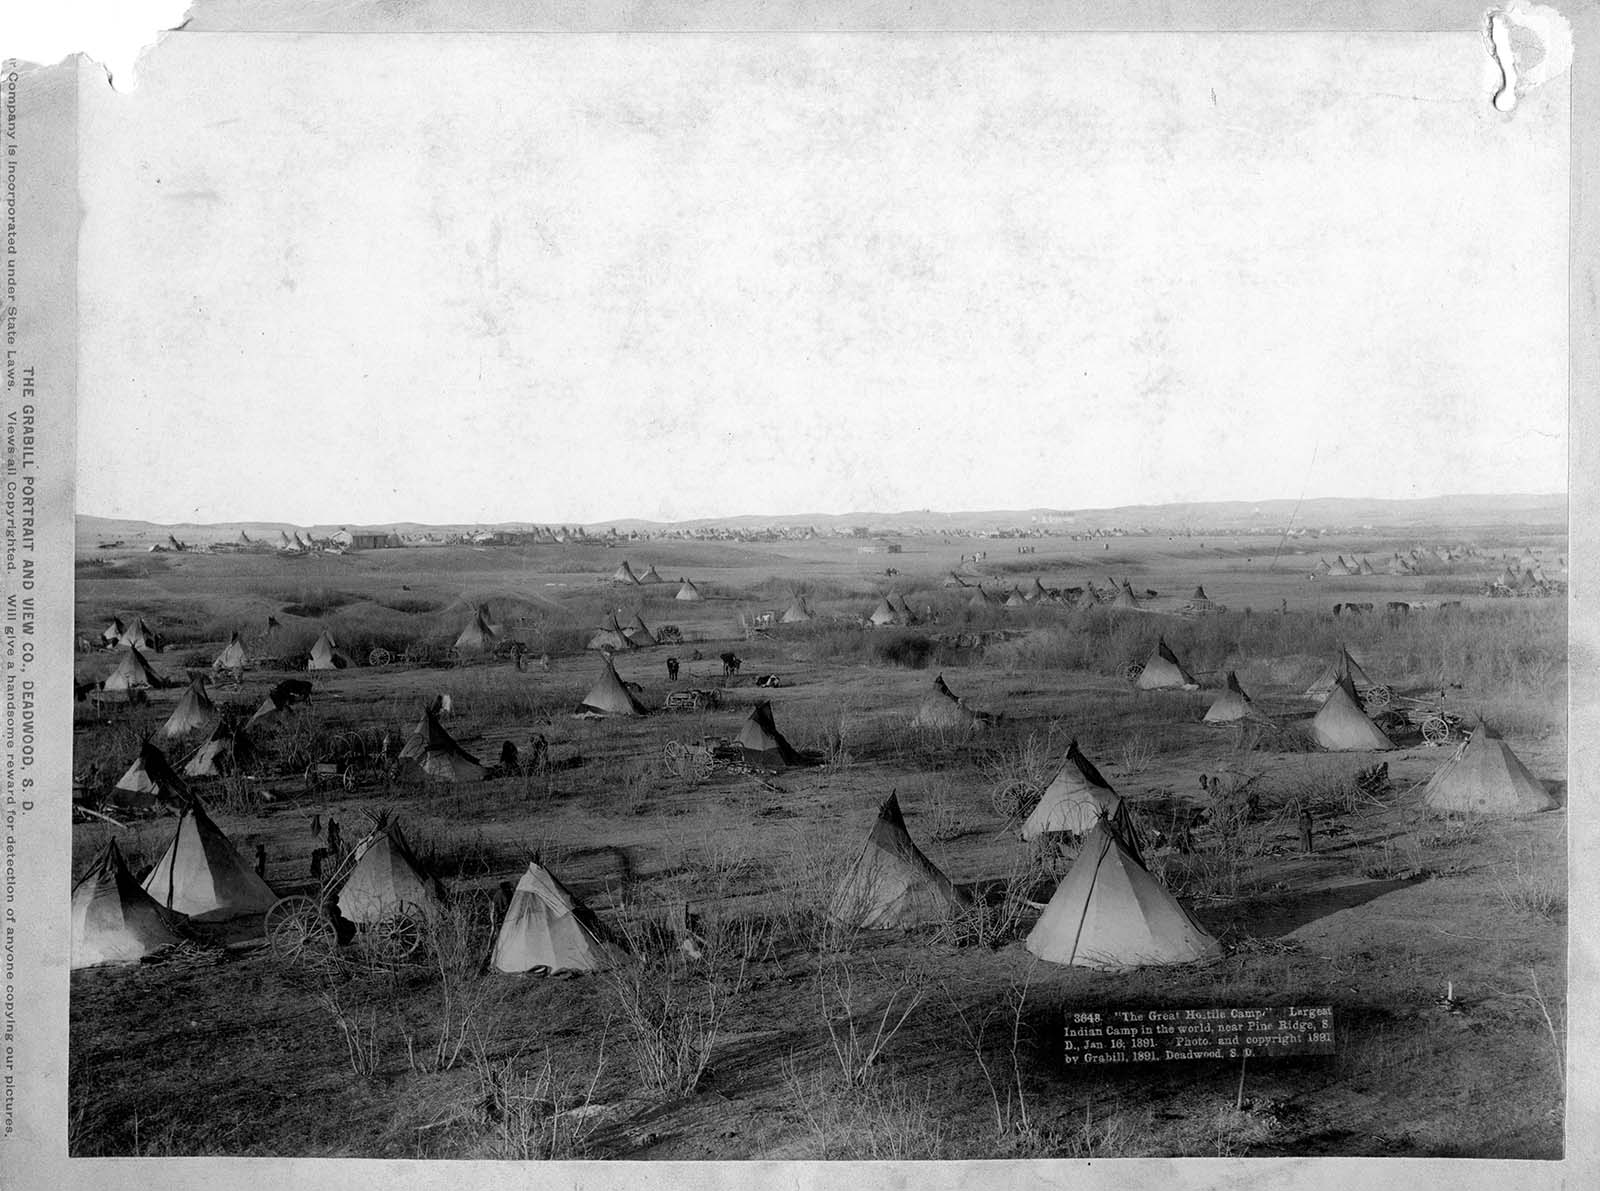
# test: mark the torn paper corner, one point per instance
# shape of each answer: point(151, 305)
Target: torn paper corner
point(1532, 44)
point(113, 34)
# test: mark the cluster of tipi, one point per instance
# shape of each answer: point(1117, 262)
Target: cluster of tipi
point(1118, 594)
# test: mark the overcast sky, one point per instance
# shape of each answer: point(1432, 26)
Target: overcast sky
point(495, 278)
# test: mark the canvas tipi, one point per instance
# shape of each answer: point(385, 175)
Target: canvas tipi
point(224, 752)
point(549, 930)
point(113, 920)
point(884, 613)
point(1343, 666)
point(610, 696)
point(763, 745)
point(112, 633)
point(651, 575)
point(624, 574)
point(150, 780)
point(325, 655)
point(193, 712)
point(1485, 777)
point(611, 636)
point(477, 637)
point(232, 656)
point(132, 673)
point(1125, 597)
point(1232, 705)
point(1164, 672)
point(386, 879)
point(941, 709)
point(639, 633)
point(139, 635)
point(1341, 725)
point(1110, 913)
point(201, 873)
point(688, 591)
point(891, 883)
point(797, 612)
point(436, 753)
point(1076, 799)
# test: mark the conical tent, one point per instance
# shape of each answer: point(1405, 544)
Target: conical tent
point(891, 883)
point(1090, 597)
point(150, 779)
point(386, 880)
point(884, 613)
point(112, 633)
point(232, 656)
point(548, 930)
point(610, 696)
point(1164, 672)
point(113, 920)
point(226, 751)
point(1343, 666)
point(797, 612)
point(954, 580)
point(279, 699)
point(283, 541)
point(1341, 725)
point(980, 599)
point(611, 636)
point(1367, 568)
point(624, 574)
point(1076, 799)
point(1037, 592)
point(325, 654)
point(639, 633)
point(201, 873)
point(907, 616)
point(1232, 705)
point(1016, 599)
point(193, 712)
point(762, 743)
point(1485, 777)
point(1199, 596)
point(1110, 913)
point(133, 672)
point(477, 637)
point(244, 538)
point(439, 756)
point(1125, 597)
point(941, 709)
point(651, 575)
point(1323, 566)
point(688, 591)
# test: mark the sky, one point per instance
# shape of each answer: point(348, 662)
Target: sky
point(337, 279)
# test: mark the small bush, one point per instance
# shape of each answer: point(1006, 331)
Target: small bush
point(909, 651)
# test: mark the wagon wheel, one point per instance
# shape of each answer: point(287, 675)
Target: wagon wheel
point(398, 937)
point(312, 781)
point(1378, 696)
point(379, 657)
point(1132, 671)
point(298, 930)
point(348, 778)
point(1435, 729)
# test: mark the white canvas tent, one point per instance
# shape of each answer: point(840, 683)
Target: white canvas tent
point(549, 930)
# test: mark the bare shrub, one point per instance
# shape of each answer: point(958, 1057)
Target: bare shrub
point(532, 1113)
point(859, 1038)
point(671, 1014)
point(1531, 887)
point(455, 941)
point(1017, 773)
point(359, 1029)
point(878, 1121)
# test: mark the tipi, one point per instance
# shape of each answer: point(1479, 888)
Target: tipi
point(797, 612)
point(1164, 672)
point(232, 656)
point(112, 634)
point(193, 712)
point(139, 635)
point(225, 751)
point(1341, 725)
point(1109, 912)
point(325, 655)
point(891, 883)
point(651, 575)
point(133, 672)
point(763, 744)
point(610, 696)
point(201, 873)
point(624, 574)
point(113, 920)
point(150, 779)
point(942, 709)
point(477, 637)
point(1232, 705)
point(1125, 597)
point(884, 613)
point(437, 754)
point(688, 591)
point(1343, 666)
point(386, 879)
point(1485, 777)
point(548, 930)
point(639, 633)
point(1076, 800)
point(611, 636)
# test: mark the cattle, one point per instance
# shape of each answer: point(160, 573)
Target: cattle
point(672, 669)
point(1398, 608)
point(731, 664)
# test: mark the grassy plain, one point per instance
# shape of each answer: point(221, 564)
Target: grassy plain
point(790, 1038)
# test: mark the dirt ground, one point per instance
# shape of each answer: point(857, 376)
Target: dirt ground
point(788, 1037)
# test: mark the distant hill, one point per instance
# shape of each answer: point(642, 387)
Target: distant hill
point(1547, 511)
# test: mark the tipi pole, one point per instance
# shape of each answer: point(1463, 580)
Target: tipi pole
point(1238, 1101)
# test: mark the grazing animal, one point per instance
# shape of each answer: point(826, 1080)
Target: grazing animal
point(672, 669)
point(731, 664)
point(1399, 607)
point(1358, 607)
